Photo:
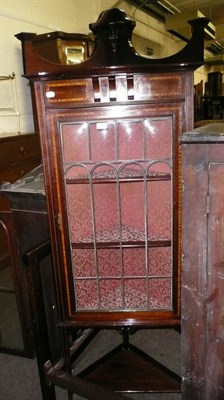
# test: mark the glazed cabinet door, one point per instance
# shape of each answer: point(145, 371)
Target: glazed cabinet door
point(115, 192)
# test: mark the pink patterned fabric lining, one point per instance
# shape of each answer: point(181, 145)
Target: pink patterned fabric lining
point(125, 234)
point(114, 279)
point(125, 262)
point(106, 212)
point(130, 294)
point(129, 144)
point(119, 191)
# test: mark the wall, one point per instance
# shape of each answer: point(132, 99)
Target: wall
point(16, 16)
point(41, 16)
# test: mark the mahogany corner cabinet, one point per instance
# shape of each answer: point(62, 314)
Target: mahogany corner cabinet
point(109, 129)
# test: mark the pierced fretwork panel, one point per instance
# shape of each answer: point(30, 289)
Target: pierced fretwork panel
point(118, 181)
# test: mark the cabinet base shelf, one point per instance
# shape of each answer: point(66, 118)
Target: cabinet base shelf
point(128, 369)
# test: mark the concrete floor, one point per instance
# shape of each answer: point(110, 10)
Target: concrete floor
point(19, 378)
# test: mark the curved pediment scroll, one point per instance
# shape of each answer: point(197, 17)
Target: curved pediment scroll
point(113, 51)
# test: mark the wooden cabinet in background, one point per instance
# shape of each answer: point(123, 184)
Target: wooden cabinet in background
point(203, 263)
point(19, 154)
point(212, 107)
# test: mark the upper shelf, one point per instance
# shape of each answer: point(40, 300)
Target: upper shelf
point(126, 176)
point(113, 51)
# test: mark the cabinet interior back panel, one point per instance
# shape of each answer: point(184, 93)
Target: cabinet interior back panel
point(118, 184)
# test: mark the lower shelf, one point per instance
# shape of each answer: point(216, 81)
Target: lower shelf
point(128, 369)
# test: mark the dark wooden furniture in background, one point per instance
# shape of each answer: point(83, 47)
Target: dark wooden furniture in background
point(27, 230)
point(198, 94)
point(212, 101)
point(109, 131)
point(212, 107)
point(203, 262)
point(19, 154)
